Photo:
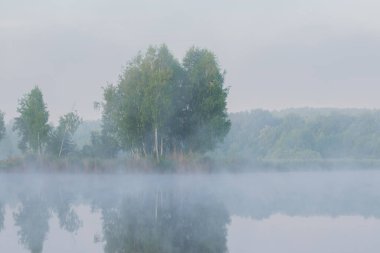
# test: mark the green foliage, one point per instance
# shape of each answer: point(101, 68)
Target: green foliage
point(160, 106)
point(2, 125)
point(32, 124)
point(60, 141)
point(294, 135)
point(206, 120)
point(102, 146)
point(141, 102)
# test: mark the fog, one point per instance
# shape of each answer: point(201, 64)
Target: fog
point(277, 54)
point(183, 164)
point(186, 213)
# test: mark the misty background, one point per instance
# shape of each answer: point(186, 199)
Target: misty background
point(277, 54)
point(321, 186)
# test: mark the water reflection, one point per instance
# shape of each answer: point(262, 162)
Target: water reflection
point(136, 217)
point(165, 222)
point(32, 219)
point(175, 214)
point(62, 204)
point(2, 213)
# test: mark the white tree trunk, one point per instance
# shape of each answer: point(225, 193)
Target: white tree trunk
point(63, 139)
point(156, 143)
point(162, 147)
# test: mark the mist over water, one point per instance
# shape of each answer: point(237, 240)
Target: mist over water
point(265, 212)
point(189, 126)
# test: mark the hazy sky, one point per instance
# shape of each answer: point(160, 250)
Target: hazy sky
point(277, 54)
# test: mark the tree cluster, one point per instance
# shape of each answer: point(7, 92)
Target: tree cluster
point(36, 134)
point(161, 106)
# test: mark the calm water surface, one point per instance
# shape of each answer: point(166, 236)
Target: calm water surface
point(259, 212)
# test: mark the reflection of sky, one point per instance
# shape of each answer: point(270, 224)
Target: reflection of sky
point(315, 234)
point(277, 53)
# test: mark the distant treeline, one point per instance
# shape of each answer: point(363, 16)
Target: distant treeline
point(307, 135)
point(302, 135)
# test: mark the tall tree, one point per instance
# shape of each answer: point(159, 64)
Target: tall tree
point(2, 125)
point(206, 119)
point(139, 107)
point(32, 124)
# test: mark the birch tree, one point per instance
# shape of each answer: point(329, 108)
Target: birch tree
point(61, 138)
point(32, 124)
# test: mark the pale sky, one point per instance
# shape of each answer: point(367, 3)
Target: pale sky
point(277, 54)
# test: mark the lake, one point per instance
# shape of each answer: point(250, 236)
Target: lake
point(335, 211)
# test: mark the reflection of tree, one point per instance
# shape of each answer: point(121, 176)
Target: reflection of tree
point(170, 223)
point(61, 203)
point(33, 215)
point(2, 213)
point(33, 220)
